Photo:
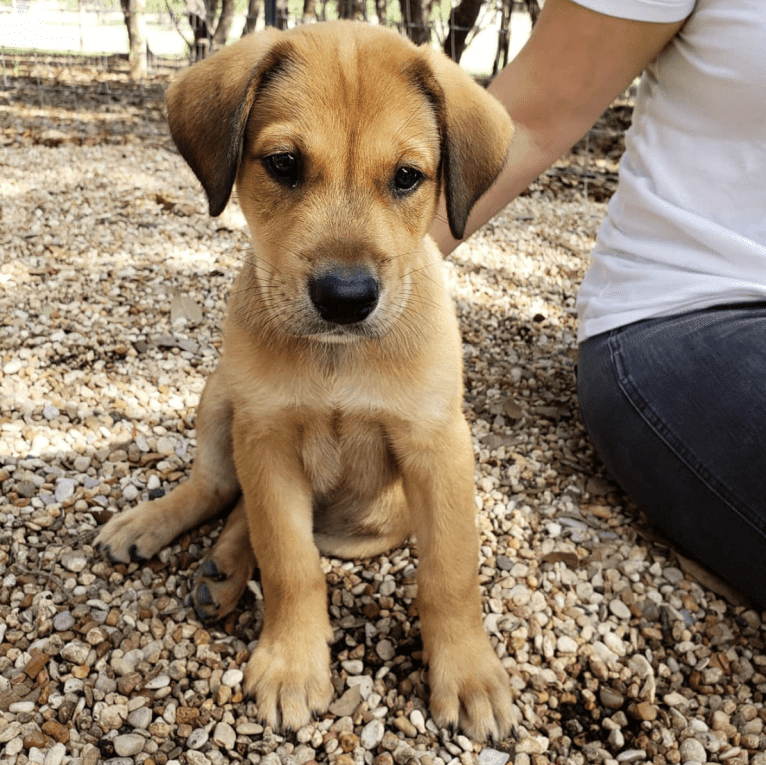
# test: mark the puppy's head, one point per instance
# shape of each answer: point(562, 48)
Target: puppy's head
point(340, 137)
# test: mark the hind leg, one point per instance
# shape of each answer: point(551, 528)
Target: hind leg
point(222, 577)
point(140, 532)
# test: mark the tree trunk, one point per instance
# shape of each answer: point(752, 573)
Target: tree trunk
point(253, 11)
point(503, 37)
point(309, 11)
point(350, 9)
point(380, 10)
point(133, 10)
point(462, 19)
point(223, 28)
point(415, 19)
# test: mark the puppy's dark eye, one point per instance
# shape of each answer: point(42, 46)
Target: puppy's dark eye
point(285, 168)
point(407, 179)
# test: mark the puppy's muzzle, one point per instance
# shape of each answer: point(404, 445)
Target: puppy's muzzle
point(344, 296)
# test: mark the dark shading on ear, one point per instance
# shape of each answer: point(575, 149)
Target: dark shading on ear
point(475, 133)
point(209, 104)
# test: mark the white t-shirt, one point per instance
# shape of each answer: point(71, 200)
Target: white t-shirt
point(686, 228)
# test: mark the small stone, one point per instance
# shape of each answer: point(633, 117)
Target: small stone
point(248, 728)
point(418, 720)
point(610, 698)
point(36, 665)
point(34, 738)
point(372, 734)
point(692, 750)
point(56, 731)
point(50, 412)
point(81, 463)
point(65, 488)
point(640, 665)
point(644, 710)
point(9, 730)
point(55, 755)
point(76, 652)
point(165, 445)
point(63, 621)
point(504, 563)
point(197, 739)
point(365, 683)
point(675, 699)
point(224, 735)
point(631, 755)
point(385, 650)
point(619, 609)
point(489, 756)
point(130, 492)
point(161, 681)
point(346, 705)
point(74, 561)
point(616, 740)
point(353, 666)
point(566, 644)
point(406, 727)
point(129, 744)
point(14, 746)
point(232, 677)
point(21, 707)
point(348, 741)
point(140, 718)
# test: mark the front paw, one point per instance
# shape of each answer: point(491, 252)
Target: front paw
point(470, 689)
point(132, 535)
point(289, 680)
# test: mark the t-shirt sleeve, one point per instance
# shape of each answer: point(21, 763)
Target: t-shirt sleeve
point(663, 11)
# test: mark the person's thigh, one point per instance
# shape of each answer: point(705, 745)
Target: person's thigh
point(677, 410)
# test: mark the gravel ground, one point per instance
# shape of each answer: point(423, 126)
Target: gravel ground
point(113, 281)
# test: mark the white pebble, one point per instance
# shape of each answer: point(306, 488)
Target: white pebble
point(130, 492)
point(55, 755)
point(566, 644)
point(692, 751)
point(232, 677)
point(372, 734)
point(197, 739)
point(619, 609)
point(64, 489)
point(129, 744)
point(224, 735)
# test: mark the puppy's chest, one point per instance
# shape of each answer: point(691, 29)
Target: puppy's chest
point(338, 449)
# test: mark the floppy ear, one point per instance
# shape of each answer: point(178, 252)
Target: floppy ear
point(476, 131)
point(208, 106)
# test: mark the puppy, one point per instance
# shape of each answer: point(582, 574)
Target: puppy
point(333, 423)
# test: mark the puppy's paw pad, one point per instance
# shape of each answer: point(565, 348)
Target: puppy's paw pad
point(216, 591)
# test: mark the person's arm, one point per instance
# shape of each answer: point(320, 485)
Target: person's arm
point(575, 63)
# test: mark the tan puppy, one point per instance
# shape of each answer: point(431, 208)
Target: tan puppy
point(334, 419)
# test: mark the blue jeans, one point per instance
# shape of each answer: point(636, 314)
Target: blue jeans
point(676, 407)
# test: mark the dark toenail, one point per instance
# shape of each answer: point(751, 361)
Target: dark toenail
point(203, 595)
point(452, 729)
point(210, 570)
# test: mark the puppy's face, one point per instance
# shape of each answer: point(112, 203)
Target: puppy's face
point(338, 180)
point(340, 137)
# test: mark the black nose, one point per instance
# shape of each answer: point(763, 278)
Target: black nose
point(344, 297)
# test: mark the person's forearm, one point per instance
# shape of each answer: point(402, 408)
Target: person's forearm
point(574, 64)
